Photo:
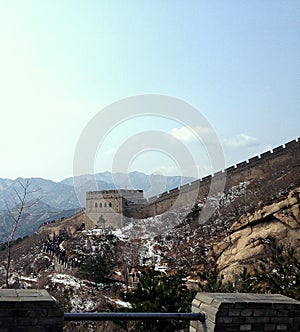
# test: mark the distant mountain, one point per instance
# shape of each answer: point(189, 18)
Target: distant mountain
point(152, 185)
point(31, 219)
point(57, 195)
point(5, 183)
point(105, 178)
point(57, 199)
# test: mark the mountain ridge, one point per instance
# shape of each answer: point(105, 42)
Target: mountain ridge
point(57, 198)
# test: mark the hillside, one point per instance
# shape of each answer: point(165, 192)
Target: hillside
point(257, 204)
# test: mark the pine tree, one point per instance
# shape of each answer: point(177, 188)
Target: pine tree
point(211, 281)
point(96, 269)
point(158, 293)
point(280, 272)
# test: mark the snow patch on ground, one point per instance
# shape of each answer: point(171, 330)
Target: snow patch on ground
point(82, 304)
point(66, 280)
point(151, 227)
point(119, 302)
point(233, 193)
point(29, 279)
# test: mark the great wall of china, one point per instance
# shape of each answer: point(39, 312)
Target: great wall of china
point(107, 208)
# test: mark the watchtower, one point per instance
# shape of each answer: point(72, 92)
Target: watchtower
point(106, 208)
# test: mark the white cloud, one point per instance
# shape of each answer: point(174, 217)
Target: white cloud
point(188, 134)
point(240, 141)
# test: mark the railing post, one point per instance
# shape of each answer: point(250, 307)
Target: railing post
point(29, 310)
point(245, 312)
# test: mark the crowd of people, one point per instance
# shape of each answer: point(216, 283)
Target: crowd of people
point(51, 222)
point(54, 248)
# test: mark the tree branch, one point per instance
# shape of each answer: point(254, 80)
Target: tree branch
point(19, 205)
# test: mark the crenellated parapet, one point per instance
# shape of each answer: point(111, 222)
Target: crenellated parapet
point(113, 205)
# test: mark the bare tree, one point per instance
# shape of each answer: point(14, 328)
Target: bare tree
point(16, 212)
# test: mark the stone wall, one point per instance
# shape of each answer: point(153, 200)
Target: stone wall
point(130, 203)
point(245, 312)
point(284, 156)
point(29, 311)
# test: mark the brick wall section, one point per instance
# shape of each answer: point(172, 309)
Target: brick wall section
point(281, 157)
point(246, 312)
point(29, 311)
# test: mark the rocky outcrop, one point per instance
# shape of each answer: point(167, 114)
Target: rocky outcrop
point(246, 243)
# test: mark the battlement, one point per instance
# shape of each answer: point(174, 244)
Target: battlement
point(114, 204)
point(115, 192)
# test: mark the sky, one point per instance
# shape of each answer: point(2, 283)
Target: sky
point(62, 62)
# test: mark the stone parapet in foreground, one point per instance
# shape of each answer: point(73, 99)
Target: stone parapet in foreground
point(23, 310)
point(246, 312)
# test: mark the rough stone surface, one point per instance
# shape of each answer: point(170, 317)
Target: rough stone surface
point(29, 311)
point(246, 312)
point(280, 220)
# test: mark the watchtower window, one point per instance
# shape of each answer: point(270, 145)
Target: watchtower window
point(96, 205)
point(105, 205)
point(100, 205)
point(109, 204)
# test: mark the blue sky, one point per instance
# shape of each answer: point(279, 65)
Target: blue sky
point(237, 62)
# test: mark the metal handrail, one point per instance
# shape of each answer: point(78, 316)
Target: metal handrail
point(100, 316)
